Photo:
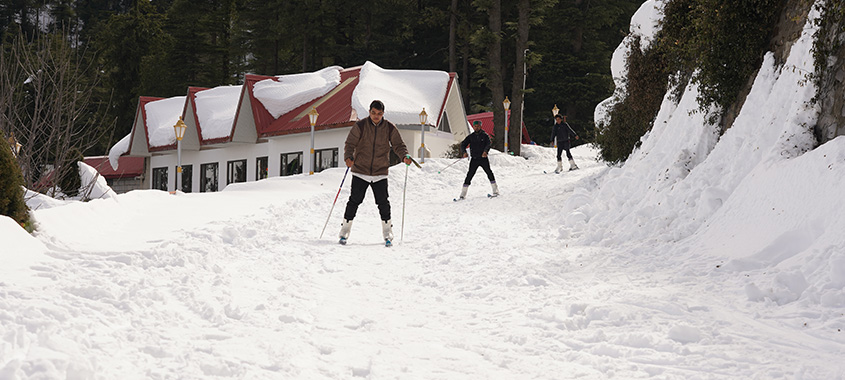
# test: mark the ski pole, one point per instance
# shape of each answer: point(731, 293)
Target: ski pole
point(335, 201)
point(447, 167)
point(405, 186)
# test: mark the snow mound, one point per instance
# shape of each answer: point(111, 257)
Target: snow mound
point(20, 251)
point(94, 186)
point(283, 94)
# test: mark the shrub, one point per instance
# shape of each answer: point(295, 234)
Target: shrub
point(717, 44)
point(11, 187)
point(632, 116)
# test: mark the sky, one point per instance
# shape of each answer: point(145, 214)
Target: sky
point(704, 256)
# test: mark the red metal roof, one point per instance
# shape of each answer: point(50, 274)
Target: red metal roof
point(127, 166)
point(487, 125)
point(335, 108)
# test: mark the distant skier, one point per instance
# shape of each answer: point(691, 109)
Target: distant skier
point(563, 132)
point(367, 152)
point(479, 144)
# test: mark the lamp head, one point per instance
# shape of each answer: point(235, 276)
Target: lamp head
point(312, 116)
point(180, 128)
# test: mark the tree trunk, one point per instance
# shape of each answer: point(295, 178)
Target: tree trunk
point(494, 72)
point(453, 26)
point(517, 87)
point(465, 71)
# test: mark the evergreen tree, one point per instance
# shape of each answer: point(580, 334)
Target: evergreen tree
point(123, 42)
point(11, 187)
point(576, 41)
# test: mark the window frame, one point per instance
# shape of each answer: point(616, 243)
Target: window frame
point(230, 174)
point(158, 182)
point(204, 171)
point(318, 162)
point(259, 173)
point(283, 159)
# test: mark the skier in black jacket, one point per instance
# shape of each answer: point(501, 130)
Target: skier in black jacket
point(479, 144)
point(563, 132)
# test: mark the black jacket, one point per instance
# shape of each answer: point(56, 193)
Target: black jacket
point(563, 133)
point(478, 142)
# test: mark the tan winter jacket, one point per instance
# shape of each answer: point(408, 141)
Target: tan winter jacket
point(369, 146)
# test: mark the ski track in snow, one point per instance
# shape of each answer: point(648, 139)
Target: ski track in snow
point(480, 289)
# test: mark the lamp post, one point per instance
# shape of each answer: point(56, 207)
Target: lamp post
point(522, 104)
point(179, 128)
point(423, 119)
point(507, 104)
point(312, 117)
point(554, 113)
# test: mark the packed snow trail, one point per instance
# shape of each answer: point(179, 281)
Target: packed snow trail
point(236, 285)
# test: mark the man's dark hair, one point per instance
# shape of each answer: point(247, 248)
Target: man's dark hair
point(558, 117)
point(377, 104)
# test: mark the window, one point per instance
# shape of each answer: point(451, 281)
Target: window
point(160, 178)
point(187, 178)
point(444, 124)
point(291, 163)
point(208, 177)
point(236, 171)
point(260, 168)
point(326, 158)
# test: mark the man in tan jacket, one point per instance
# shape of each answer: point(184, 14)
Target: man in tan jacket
point(367, 152)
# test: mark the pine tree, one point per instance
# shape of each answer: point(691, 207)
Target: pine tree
point(123, 41)
point(11, 187)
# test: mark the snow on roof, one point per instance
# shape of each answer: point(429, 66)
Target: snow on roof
point(162, 115)
point(216, 110)
point(403, 92)
point(287, 92)
point(118, 150)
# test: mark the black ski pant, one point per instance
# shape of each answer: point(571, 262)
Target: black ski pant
point(474, 163)
point(561, 147)
point(359, 189)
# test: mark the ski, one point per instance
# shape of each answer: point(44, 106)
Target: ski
point(492, 195)
point(457, 199)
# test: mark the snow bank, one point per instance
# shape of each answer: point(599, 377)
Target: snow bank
point(404, 93)
point(162, 115)
point(19, 252)
point(287, 92)
point(644, 25)
point(680, 166)
point(216, 108)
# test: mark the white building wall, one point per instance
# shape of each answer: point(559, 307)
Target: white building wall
point(437, 142)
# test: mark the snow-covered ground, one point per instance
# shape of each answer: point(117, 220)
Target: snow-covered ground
point(237, 284)
point(703, 257)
